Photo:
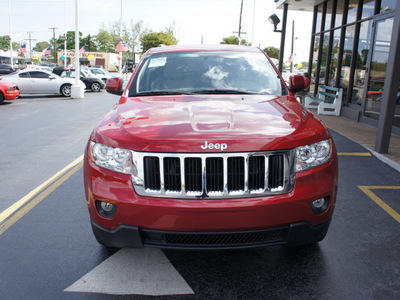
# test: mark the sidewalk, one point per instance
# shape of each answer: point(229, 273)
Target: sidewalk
point(364, 135)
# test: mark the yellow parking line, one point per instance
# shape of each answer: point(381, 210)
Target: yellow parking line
point(44, 190)
point(379, 201)
point(355, 153)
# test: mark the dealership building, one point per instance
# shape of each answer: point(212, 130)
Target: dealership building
point(355, 46)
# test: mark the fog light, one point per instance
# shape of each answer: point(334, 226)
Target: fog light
point(320, 205)
point(106, 209)
point(107, 206)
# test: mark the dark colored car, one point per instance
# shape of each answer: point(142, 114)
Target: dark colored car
point(92, 83)
point(6, 69)
point(209, 149)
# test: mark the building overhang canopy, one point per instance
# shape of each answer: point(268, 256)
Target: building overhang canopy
point(300, 5)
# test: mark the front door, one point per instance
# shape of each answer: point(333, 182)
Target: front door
point(377, 68)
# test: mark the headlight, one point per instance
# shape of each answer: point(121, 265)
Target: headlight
point(115, 159)
point(313, 155)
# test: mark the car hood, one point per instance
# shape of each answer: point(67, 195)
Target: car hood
point(185, 123)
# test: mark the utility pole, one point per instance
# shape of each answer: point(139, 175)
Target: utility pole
point(240, 25)
point(54, 43)
point(30, 43)
point(240, 19)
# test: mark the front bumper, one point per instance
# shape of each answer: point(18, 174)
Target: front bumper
point(133, 237)
point(202, 223)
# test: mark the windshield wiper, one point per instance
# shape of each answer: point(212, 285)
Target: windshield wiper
point(222, 91)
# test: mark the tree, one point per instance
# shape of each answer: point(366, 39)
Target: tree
point(272, 52)
point(154, 39)
point(40, 46)
point(233, 40)
point(89, 43)
point(105, 41)
point(131, 36)
point(5, 44)
point(71, 39)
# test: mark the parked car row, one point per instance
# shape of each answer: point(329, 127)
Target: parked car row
point(48, 80)
point(6, 69)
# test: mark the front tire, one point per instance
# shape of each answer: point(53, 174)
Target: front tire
point(95, 87)
point(66, 90)
point(1, 98)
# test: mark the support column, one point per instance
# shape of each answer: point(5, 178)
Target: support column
point(390, 89)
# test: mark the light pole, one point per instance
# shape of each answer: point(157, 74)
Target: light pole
point(120, 35)
point(11, 49)
point(292, 52)
point(275, 21)
point(76, 90)
point(65, 33)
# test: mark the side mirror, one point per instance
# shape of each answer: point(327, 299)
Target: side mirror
point(296, 83)
point(114, 86)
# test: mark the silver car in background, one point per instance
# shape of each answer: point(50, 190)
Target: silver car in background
point(33, 81)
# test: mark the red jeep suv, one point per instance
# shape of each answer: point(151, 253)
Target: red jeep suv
point(209, 149)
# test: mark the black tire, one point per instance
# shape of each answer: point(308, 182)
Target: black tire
point(66, 90)
point(95, 87)
point(1, 98)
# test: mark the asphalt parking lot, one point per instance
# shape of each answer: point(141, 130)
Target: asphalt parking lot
point(47, 250)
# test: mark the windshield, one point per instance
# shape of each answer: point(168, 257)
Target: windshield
point(206, 72)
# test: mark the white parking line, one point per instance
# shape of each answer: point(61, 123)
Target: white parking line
point(144, 271)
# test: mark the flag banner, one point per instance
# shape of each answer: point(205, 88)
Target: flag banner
point(82, 51)
point(122, 47)
point(23, 48)
point(46, 51)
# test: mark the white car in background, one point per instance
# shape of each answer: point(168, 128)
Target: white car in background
point(41, 82)
point(100, 73)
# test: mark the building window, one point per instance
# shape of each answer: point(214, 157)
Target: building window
point(346, 61)
point(388, 5)
point(363, 47)
point(352, 14)
point(328, 17)
point(334, 58)
point(368, 9)
point(319, 18)
point(315, 62)
point(339, 13)
point(324, 59)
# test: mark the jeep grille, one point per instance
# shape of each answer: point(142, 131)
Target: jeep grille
point(213, 175)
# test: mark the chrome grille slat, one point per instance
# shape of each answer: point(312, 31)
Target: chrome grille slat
point(213, 175)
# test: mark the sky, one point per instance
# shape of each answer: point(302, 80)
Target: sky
point(194, 20)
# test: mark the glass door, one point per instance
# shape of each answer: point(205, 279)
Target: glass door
point(377, 68)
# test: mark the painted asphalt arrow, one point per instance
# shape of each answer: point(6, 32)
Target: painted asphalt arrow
point(144, 271)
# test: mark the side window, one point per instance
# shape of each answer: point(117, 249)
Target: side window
point(24, 75)
point(38, 74)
